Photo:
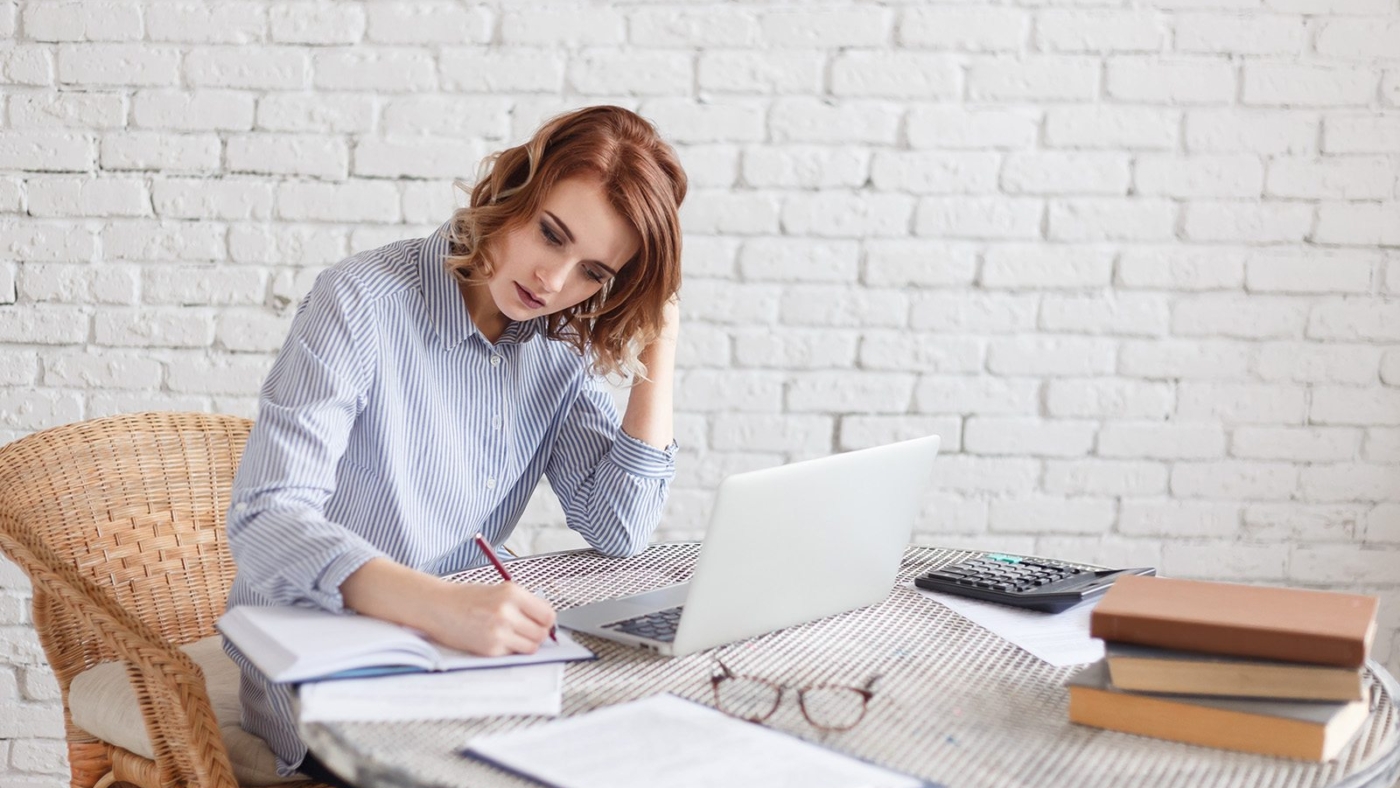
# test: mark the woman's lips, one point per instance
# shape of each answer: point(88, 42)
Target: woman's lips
point(529, 298)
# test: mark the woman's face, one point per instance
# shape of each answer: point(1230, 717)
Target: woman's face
point(564, 254)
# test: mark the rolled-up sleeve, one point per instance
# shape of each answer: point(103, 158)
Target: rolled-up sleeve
point(612, 486)
point(285, 547)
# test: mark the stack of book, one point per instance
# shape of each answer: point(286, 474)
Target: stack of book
point(1276, 671)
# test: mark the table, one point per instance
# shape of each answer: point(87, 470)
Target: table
point(957, 704)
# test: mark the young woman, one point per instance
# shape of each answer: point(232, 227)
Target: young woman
point(426, 386)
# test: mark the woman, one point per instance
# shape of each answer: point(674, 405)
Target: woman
point(426, 386)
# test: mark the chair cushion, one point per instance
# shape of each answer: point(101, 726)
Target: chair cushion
point(103, 703)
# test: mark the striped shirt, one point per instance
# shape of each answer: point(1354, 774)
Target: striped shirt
point(389, 426)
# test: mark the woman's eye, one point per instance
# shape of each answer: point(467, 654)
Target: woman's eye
point(549, 236)
point(595, 274)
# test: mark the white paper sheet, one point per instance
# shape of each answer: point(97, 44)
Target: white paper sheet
point(664, 740)
point(1058, 638)
point(455, 695)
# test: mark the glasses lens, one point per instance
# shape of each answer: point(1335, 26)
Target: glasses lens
point(835, 708)
point(746, 698)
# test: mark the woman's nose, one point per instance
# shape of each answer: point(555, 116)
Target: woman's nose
point(552, 276)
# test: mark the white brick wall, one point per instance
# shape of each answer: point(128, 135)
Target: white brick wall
point(1137, 263)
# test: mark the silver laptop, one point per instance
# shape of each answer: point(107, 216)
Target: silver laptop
point(785, 546)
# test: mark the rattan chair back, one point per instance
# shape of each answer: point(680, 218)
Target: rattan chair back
point(119, 523)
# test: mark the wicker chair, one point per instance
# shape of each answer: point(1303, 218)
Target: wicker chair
point(119, 523)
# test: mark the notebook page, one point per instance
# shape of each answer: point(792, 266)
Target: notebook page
point(458, 695)
point(664, 740)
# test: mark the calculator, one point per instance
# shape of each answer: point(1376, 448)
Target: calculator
point(1030, 583)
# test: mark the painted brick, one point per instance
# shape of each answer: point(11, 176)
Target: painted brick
point(202, 23)
point(118, 64)
point(96, 110)
point(1044, 514)
point(384, 70)
point(1148, 517)
point(799, 260)
point(711, 257)
point(1155, 80)
point(250, 67)
point(1199, 176)
point(1382, 525)
point(729, 391)
point(78, 284)
point(1240, 34)
point(161, 241)
point(780, 72)
point(46, 151)
point(1390, 368)
point(708, 346)
point(1358, 224)
point(979, 217)
point(1049, 172)
point(861, 432)
point(1051, 356)
point(1020, 437)
point(1248, 222)
point(1349, 178)
point(354, 200)
point(829, 305)
point(848, 121)
point(1362, 133)
point(1116, 478)
point(1316, 362)
point(152, 327)
point(984, 395)
point(826, 28)
point(1248, 317)
point(928, 353)
point(903, 262)
point(1033, 267)
point(205, 110)
point(110, 370)
point(490, 71)
point(1101, 549)
point(340, 113)
point(607, 72)
point(112, 404)
point(723, 211)
point(1161, 441)
point(307, 155)
point(1341, 565)
point(686, 121)
point(310, 23)
point(950, 514)
point(955, 127)
point(1293, 85)
point(1354, 319)
point(82, 22)
point(1359, 39)
point(1303, 444)
point(963, 29)
point(1146, 128)
point(27, 65)
point(1123, 314)
point(1298, 522)
point(18, 367)
point(711, 166)
point(115, 196)
point(759, 432)
point(428, 23)
point(223, 198)
point(1033, 78)
point(157, 151)
point(966, 474)
point(1357, 406)
point(415, 158)
point(1241, 403)
point(805, 167)
point(1099, 31)
point(1381, 444)
point(693, 27)
point(976, 313)
point(203, 285)
point(1311, 271)
point(846, 214)
point(787, 348)
point(429, 201)
point(883, 74)
point(1105, 219)
point(1260, 131)
point(729, 303)
point(1109, 398)
point(706, 472)
point(928, 172)
point(38, 410)
point(47, 242)
point(1182, 268)
point(1215, 560)
point(196, 373)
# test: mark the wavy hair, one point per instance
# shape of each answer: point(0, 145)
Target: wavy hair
point(644, 183)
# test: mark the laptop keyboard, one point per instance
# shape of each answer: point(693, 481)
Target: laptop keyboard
point(660, 625)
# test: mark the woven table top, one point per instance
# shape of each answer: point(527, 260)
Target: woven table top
point(955, 704)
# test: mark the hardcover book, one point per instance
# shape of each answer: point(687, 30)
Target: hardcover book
point(1148, 669)
point(1309, 730)
point(1268, 622)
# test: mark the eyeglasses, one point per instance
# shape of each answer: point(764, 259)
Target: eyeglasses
point(828, 707)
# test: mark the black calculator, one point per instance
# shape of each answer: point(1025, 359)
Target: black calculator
point(1023, 582)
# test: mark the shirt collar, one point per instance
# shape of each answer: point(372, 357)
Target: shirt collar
point(446, 309)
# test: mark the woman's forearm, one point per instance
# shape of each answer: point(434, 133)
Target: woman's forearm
point(650, 404)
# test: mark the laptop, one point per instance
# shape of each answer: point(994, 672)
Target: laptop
point(785, 546)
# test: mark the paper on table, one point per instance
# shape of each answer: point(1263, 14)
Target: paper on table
point(664, 740)
point(456, 695)
point(1058, 638)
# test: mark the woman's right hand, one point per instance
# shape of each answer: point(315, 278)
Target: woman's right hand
point(491, 620)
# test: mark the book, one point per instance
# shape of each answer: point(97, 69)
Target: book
point(293, 644)
point(1268, 622)
point(1149, 669)
point(1309, 730)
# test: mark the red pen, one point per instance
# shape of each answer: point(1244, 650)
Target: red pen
point(501, 568)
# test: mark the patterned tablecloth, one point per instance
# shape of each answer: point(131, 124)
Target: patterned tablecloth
point(956, 704)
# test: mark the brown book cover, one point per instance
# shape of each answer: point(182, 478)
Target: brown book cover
point(1310, 730)
point(1151, 669)
point(1268, 622)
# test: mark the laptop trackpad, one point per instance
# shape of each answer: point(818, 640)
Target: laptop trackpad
point(607, 611)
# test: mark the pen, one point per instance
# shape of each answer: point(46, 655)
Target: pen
point(501, 569)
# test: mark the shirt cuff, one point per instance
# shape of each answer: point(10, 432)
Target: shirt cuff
point(640, 458)
point(326, 590)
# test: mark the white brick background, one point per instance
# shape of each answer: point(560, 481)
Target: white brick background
point(1137, 261)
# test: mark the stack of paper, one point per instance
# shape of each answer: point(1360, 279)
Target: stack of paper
point(460, 694)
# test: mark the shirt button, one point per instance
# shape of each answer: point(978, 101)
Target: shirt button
point(490, 484)
point(495, 361)
point(496, 422)
point(239, 507)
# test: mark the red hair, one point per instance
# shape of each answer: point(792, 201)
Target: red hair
point(644, 183)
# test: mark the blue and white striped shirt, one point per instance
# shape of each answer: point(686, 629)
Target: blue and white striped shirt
point(389, 426)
